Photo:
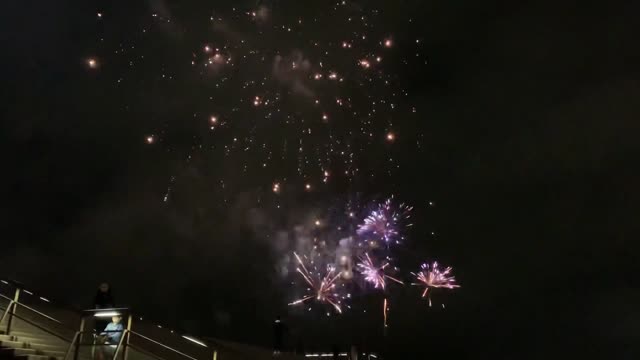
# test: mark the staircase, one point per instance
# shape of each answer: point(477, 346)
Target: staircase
point(32, 335)
point(33, 327)
point(24, 345)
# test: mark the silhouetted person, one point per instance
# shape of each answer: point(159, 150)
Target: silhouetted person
point(279, 330)
point(336, 352)
point(103, 300)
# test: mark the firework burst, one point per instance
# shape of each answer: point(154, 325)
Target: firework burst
point(432, 277)
point(373, 273)
point(385, 221)
point(322, 289)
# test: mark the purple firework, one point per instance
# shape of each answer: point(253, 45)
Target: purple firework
point(374, 274)
point(385, 220)
point(431, 277)
point(321, 289)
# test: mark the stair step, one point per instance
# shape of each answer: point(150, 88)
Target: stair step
point(39, 348)
point(45, 347)
point(37, 357)
point(19, 333)
point(36, 332)
point(41, 340)
point(17, 352)
point(30, 332)
point(35, 340)
point(21, 352)
point(13, 344)
point(32, 351)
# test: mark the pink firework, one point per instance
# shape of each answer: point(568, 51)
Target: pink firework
point(322, 289)
point(385, 221)
point(431, 277)
point(373, 273)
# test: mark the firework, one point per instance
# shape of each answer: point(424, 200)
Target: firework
point(431, 277)
point(373, 273)
point(384, 311)
point(322, 289)
point(92, 63)
point(271, 102)
point(385, 221)
point(391, 136)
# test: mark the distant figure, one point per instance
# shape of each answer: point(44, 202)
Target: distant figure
point(336, 352)
point(103, 299)
point(279, 330)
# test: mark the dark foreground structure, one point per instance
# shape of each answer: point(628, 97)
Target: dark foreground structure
point(33, 327)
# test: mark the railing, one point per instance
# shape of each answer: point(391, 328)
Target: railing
point(64, 330)
point(11, 312)
point(35, 310)
point(122, 347)
point(159, 344)
point(148, 342)
point(13, 304)
point(133, 342)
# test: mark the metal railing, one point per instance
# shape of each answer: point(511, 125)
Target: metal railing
point(155, 337)
point(13, 303)
point(10, 313)
point(160, 344)
point(121, 347)
point(125, 342)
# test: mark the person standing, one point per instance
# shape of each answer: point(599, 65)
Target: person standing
point(103, 300)
point(279, 330)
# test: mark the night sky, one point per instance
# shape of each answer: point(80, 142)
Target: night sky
point(182, 150)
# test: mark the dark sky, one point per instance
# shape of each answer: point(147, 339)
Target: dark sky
point(524, 137)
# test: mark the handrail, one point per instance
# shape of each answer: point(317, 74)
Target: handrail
point(120, 343)
point(14, 303)
point(40, 327)
point(75, 337)
point(115, 353)
point(162, 345)
point(31, 309)
point(18, 285)
point(6, 311)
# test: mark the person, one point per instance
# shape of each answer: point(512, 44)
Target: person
point(110, 338)
point(103, 300)
point(113, 331)
point(279, 330)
